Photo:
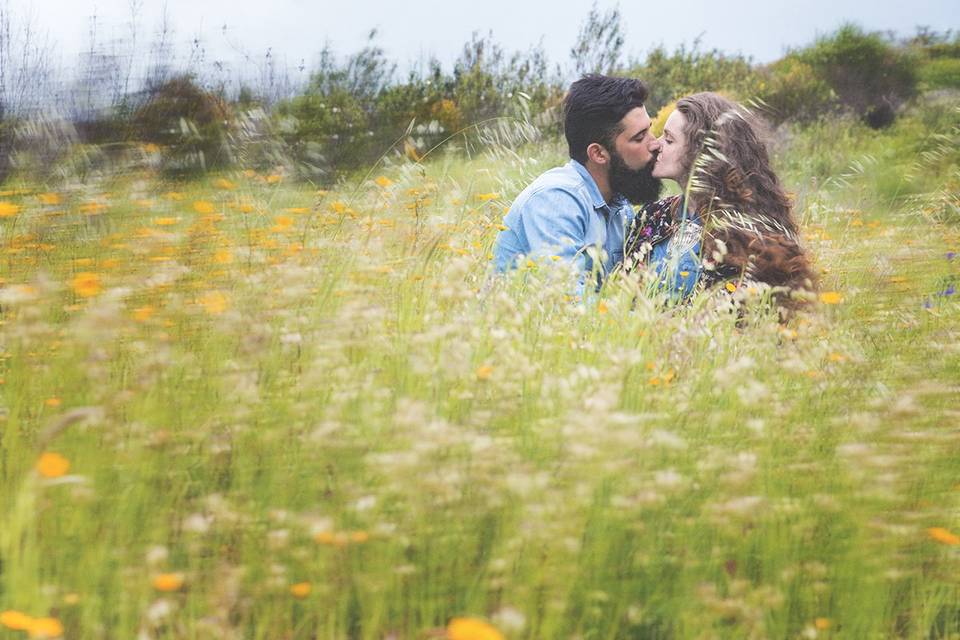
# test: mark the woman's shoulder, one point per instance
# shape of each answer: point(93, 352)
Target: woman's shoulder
point(664, 206)
point(653, 222)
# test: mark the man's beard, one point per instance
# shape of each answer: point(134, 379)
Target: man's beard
point(638, 186)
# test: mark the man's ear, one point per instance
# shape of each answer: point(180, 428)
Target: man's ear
point(598, 153)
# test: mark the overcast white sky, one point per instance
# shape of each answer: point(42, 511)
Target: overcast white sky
point(411, 31)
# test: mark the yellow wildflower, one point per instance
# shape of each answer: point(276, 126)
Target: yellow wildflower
point(223, 183)
point(730, 287)
point(223, 256)
point(173, 195)
point(383, 181)
point(45, 628)
point(92, 208)
point(49, 198)
point(53, 402)
point(943, 536)
point(168, 582)
point(8, 210)
point(282, 223)
point(487, 197)
point(52, 465)
point(15, 620)
point(484, 372)
point(471, 629)
point(150, 147)
point(166, 221)
point(359, 537)
point(274, 178)
point(143, 314)
point(822, 624)
point(202, 206)
point(86, 284)
point(831, 297)
point(214, 303)
point(656, 127)
point(324, 537)
point(300, 590)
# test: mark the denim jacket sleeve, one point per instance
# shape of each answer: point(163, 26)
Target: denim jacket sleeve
point(677, 260)
point(554, 223)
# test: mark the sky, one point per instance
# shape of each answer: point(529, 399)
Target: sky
point(410, 32)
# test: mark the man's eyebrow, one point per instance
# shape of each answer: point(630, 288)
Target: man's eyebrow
point(641, 133)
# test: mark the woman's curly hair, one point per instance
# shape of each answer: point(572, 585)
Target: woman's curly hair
point(751, 231)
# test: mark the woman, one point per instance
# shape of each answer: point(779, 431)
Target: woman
point(734, 220)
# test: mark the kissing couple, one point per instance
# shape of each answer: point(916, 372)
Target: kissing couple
point(732, 223)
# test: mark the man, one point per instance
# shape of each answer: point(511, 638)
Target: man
point(585, 204)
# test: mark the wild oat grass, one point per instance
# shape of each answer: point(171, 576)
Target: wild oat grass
point(245, 408)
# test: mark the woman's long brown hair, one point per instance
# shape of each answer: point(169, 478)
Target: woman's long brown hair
point(751, 228)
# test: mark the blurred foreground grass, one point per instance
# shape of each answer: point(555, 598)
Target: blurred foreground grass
point(244, 408)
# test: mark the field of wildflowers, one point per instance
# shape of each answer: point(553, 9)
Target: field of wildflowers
point(240, 407)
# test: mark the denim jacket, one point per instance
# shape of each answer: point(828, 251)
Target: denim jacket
point(563, 214)
point(667, 237)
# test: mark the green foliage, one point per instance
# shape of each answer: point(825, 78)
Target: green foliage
point(189, 122)
point(868, 74)
point(688, 70)
point(334, 123)
point(940, 73)
point(353, 112)
point(317, 416)
point(599, 44)
point(792, 90)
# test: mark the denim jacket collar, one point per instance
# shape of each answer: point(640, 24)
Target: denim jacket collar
point(594, 190)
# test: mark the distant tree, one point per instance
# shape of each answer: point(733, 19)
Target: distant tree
point(599, 44)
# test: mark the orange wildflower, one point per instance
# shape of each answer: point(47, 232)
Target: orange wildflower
point(472, 629)
point(8, 210)
point(214, 303)
point(168, 582)
point(300, 590)
point(15, 620)
point(45, 628)
point(86, 284)
point(52, 465)
point(202, 206)
point(831, 297)
point(142, 314)
point(943, 536)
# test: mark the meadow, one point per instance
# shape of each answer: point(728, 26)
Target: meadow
point(245, 407)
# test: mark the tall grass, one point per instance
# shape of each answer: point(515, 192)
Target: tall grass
point(292, 413)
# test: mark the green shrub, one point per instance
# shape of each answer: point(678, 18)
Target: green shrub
point(793, 91)
point(672, 75)
point(189, 122)
point(868, 74)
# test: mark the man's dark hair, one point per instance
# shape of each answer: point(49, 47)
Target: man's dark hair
point(593, 109)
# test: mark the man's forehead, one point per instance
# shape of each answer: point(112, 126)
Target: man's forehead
point(636, 120)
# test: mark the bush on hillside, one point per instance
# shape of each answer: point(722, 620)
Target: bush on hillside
point(673, 75)
point(188, 122)
point(792, 90)
point(869, 75)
